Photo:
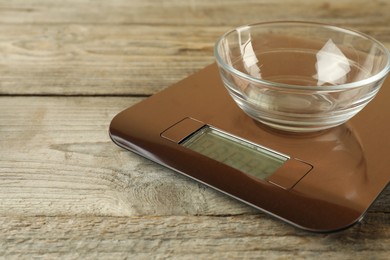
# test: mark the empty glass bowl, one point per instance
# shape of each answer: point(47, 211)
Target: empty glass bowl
point(299, 76)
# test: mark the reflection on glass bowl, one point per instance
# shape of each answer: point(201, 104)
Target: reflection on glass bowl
point(298, 76)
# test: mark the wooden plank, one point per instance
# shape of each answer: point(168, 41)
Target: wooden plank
point(56, 158)
point(105, 60)
point(139, 47)
point(100, 60)
point(185, 237)
point(200, 12)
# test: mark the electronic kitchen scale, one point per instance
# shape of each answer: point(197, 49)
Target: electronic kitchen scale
point(321, 182)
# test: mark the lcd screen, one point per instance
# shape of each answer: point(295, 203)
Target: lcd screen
point(242, 155)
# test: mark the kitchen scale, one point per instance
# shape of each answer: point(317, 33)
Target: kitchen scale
point(322, 182)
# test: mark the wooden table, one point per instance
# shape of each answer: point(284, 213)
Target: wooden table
point(67, 67)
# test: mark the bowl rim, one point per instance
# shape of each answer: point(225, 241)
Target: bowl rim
point(378, 76)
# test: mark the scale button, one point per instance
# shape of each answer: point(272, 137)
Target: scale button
point(182, 129)
point(290, 173)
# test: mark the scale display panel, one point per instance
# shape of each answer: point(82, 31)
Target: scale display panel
point(249, 158)
point(321, 182)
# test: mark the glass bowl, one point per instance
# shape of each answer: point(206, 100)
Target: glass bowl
point(300, 76)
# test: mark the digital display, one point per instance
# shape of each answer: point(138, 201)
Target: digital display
point(242, 155)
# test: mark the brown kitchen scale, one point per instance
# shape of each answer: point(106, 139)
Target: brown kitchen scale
point(322, 182)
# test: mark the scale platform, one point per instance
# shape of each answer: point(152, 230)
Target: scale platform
point(321, 182)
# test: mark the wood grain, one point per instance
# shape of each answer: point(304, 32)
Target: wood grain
point(57, 159)
point(200, 12)
point(186, 237)
point(66, 191)
point(100, 60)
point(140, 47)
